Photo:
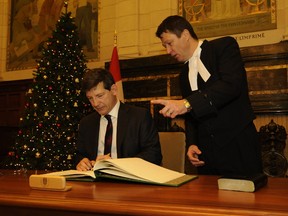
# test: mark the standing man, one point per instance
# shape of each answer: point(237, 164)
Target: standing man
point(220, 133)
point(133, 131)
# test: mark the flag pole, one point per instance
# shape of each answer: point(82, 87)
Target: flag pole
point(115, 38)
point(115, 69)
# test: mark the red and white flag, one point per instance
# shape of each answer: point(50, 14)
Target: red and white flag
point(115, 70)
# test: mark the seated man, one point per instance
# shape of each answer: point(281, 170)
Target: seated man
point(133, 131)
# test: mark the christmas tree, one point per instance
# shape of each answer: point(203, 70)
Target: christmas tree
point(54, 104)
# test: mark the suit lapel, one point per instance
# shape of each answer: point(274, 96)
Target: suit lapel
point(96, 131)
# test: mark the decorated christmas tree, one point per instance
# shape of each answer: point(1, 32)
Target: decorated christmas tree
point(54, 104)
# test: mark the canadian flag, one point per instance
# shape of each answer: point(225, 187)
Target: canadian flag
point(114, 68)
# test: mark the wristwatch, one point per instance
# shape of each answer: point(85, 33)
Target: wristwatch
point(187, 105)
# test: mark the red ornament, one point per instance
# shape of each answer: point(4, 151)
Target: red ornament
point(11, 153)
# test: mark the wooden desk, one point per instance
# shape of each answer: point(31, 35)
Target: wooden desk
point(198, 197)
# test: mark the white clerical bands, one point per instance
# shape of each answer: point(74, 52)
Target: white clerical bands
point(196, 66)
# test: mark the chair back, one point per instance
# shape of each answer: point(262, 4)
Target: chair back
point(173, 150)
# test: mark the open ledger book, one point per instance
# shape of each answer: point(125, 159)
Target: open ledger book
point(128, 169)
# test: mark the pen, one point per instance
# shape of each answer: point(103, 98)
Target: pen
point(102, 158)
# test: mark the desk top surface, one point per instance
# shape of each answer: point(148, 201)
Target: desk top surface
point(200, 195)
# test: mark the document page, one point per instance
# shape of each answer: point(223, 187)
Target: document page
point(138, 167)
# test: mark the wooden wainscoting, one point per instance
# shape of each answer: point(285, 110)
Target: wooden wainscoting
point(154, 77)
point(12, 100)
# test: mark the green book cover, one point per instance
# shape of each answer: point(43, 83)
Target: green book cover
point(128, 169)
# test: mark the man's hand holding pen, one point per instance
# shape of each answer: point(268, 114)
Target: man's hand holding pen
point(85, 164)
point(102, 157)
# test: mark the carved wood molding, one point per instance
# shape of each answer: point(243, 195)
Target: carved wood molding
point(266, 53)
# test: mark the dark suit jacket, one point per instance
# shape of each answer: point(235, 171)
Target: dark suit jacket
point(221, 108)
point(136, 135)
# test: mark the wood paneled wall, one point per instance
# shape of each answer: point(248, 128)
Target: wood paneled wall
point(12, 100)
point(148, 78)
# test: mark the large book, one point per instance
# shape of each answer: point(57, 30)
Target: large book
point(243, 183)
point(128, 169)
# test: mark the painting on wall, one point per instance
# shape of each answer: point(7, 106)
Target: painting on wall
point(31, 22)
point(213, 18)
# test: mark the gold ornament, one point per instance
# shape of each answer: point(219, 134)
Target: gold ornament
point(75, 104)
point(25, 146)
point(77, 80)
point(37, 155)
point(46, 113)
point(45, 77)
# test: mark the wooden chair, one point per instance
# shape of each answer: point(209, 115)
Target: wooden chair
point(173, 150)
point(273, 142)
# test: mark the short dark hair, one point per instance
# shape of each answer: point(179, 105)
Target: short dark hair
point(175, 24)
point(92, 77)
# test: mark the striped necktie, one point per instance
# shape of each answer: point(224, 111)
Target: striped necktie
point(108, 136)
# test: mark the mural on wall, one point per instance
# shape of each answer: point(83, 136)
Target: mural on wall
point(213, 18)
point(32, 22)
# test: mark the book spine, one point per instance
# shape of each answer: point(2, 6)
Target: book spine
point(260, 182)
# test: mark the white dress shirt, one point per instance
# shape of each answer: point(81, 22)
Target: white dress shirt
point(102, 131)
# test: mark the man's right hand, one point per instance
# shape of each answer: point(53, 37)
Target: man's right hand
point(85, 164)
